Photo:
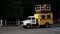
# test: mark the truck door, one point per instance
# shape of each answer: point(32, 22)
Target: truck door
point(33, 20)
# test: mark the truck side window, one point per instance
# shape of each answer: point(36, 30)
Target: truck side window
point(48, 16)
point(43, 16)
point(33, 18)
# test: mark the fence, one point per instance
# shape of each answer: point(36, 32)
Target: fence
point(56, 23)
point(18, 23)
point(11, 22)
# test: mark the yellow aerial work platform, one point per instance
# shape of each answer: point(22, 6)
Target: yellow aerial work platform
point(44, 18)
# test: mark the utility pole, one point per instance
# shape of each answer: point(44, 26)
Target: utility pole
point(18, 22)
point(1, 22)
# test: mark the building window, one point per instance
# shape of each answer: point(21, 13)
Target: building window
point(37, 7)
point(48, 16)
point(43, 16)
point(47, 8)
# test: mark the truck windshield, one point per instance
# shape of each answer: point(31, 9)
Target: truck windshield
point(29, 18)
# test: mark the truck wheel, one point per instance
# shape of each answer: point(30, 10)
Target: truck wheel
point(28, 26)
point(24, 26)
point(47, 25)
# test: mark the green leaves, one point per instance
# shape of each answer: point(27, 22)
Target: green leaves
point(13, 8)
point(28, 2)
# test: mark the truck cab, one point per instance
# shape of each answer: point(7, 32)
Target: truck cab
point(31, 20)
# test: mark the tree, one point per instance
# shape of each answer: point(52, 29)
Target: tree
point(12, 8)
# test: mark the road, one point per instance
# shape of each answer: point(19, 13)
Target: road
point(19, 30)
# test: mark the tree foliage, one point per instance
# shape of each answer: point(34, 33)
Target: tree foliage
point(12, 8)
point(28, 2)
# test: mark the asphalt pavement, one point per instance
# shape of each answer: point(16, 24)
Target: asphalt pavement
point(20, 30)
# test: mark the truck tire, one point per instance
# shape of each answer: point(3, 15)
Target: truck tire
point(28, 26)
point(47, 25)
point(24, 27)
